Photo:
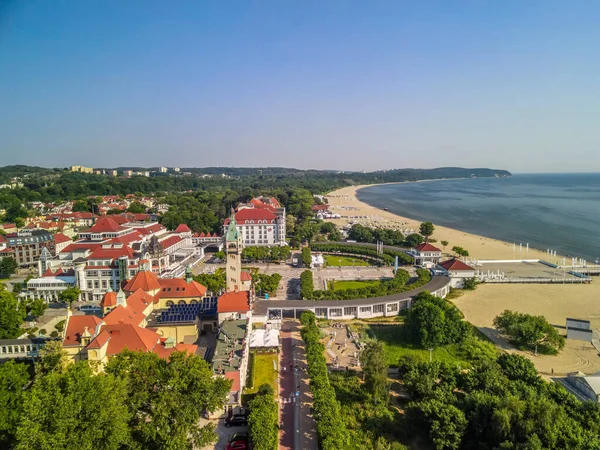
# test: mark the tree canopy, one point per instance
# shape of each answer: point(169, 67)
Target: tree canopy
point(533, 332)
point(426, 230)
point(8, 266)
point(263, 419)
point(11, 316)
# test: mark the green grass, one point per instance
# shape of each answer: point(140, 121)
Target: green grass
point(352, 284)
point(344, 261)
point(397, 344)
point(262, 371)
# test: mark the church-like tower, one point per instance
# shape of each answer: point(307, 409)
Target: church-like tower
point(234, 245)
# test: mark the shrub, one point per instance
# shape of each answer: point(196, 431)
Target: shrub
point(533, 332)
point(306, 257)
point(306, 284)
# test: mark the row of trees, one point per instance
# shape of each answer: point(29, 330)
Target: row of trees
point(214, 282)
point(306, 257)
point(331, 429)
point(361, 233)
point(306, 284)
point(263, 419)
point(276, 253)
point(397, 284)
point(140, 401)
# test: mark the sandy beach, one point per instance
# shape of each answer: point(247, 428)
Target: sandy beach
point(555, 302)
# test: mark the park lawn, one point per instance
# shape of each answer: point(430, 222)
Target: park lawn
point(353, 284)
point(397, 344)
point(334, 261)
point(262, 371)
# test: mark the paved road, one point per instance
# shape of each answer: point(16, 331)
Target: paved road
point(297, 425)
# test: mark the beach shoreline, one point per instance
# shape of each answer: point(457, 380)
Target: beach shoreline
point(345, 202)
point(556, 302)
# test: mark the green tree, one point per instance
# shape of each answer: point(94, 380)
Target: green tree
point(69, 295)
point(52, 358)
point(166, 398)
point(38, 306)
point(75, 409)
point(433, 322)
point(426, 230)
point(81, 206)
point(307, 318)
point(460, 251)
point(470, 284)
point(444, 422)
point(268, 283)
point(136, 207)
point(220, 255)
point(517, 367)
point(444, 244)
point(262, 420)
point(13, 379)
point(17, 288)
point(530, 331)
point(8, 266)
point(11, 316)
point(375, 369)
point(412, 240)
point(360, 233)
point(214, 282)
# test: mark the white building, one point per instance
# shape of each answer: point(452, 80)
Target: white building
point(426, 254)
point(163, 170)
point(261, 222)
point(457, 270)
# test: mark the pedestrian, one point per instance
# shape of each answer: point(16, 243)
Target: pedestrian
point(552, 371)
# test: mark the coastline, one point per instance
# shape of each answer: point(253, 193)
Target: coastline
point(556, 302)
point(345, 202)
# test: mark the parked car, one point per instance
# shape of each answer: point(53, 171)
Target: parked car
point(237, 420)
point(237, 445)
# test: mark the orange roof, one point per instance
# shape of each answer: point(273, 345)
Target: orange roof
point(170, 241)
point(105, 224)
point(427, 247)
point(59, 238)
point(48, 273)
point(179, 288)
point(111, 253)
point(233, 302)
point(109, 299)
point(245, 276)
point(455, 265)
point(182, 228)
point(122, 315)
point(145, 280)
point(235, 377)
point(247, 214)
point(76, 326)
point(139, 301)
point(128, 336)
point(99, 341)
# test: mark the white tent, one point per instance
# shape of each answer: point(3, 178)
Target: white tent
point(264, 338)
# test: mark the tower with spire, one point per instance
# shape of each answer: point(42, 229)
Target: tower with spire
point(234, 244)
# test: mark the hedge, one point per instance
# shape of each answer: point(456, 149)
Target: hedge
point(392, 286)
point(388, 256)
point(307, 286)
point(331, 428)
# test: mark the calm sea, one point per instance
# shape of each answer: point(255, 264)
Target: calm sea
point(558, 211)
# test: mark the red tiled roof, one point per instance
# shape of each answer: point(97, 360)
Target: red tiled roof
point(320, 207)
point(76, 326)
point(245, 276)
point(59, 272)
point(233, 302)
point(126, 335)
point(99, 341)
point(246, 214)
point(8, 250)
point(427, 247)
point(109, 299)
point(121, 315)
point(139, 301)
point(105, 224)
point(59, 238)
point(145, 280)
point(455, 265)
point(111, 253)
point(81, 245)
point(182, 228)
point(48, 273)
point(170, 241)
point(179, 288)
point(235, 377)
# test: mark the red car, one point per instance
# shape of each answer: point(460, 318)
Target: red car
point(237, 445)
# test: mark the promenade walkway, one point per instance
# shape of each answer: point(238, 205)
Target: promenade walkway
point(298, 431)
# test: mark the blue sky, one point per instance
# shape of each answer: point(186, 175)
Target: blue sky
point(348, 85)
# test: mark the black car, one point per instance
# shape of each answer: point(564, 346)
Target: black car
point(241, 436)
point(237, 420)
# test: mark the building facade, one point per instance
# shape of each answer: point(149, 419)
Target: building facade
point(27, 246)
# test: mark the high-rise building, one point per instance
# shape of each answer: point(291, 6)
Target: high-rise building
point(233, 247)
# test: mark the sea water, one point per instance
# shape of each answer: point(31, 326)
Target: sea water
point(548, 211)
